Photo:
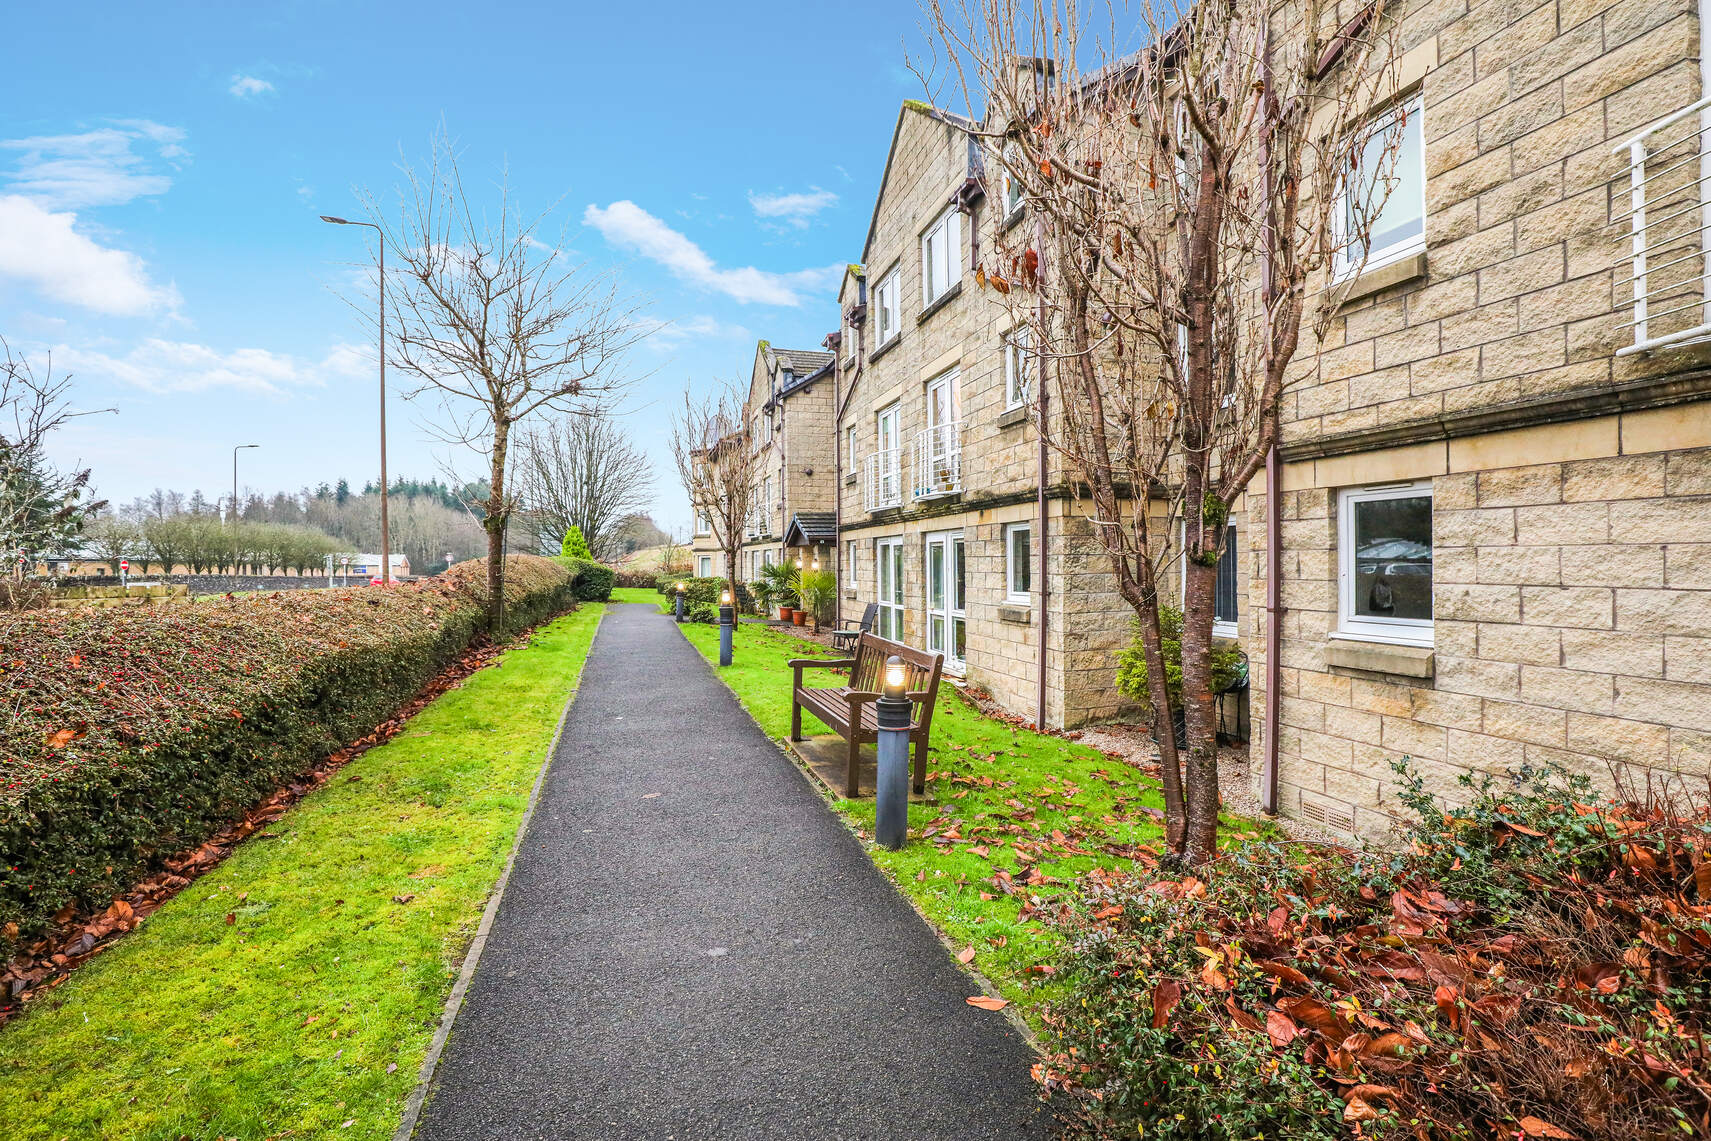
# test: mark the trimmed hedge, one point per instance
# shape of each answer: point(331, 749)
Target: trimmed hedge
point(707, 591)
point(639, 580)
point(592, 581)
point(141, 731)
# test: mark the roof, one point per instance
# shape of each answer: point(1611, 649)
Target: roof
point(801, 362)
point(959, 122)
point(811, 529)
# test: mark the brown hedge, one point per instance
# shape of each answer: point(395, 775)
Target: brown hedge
point(129, 734)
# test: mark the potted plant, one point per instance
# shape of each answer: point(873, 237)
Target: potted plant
point(817, 589)
point(780, 578)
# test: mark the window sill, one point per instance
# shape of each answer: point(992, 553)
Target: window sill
point(1015, 216)
point(1016, 613)
point(850, 480)
point(1391, 658)
point(940, 301)
point(885, 348)
point(1011, 417)
point(1377, 279)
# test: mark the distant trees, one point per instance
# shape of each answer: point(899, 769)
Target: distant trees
point(717, 466)
point(638, 532)
point(582, 472)
point(41, 508)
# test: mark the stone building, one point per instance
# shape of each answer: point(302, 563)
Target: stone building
point(789, 417)
point(1495, 503)
point(952, 516)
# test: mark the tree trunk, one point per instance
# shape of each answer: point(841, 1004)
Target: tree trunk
point(494, 524)
point(1200, 714)
point(1158, 690)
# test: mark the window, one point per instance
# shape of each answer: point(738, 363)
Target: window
point(1384, 197)
point(1012, 187)
point(1019, 562)
point(1224, 592)
point(1018, 368)
point(703, 523)
point(888, 574)
point(766, 558)
point(1384, 563)
point(850, 447)
point(705, 567)
point(885, 303)
point(941, 256)
point(852, 571)
point(851, 340)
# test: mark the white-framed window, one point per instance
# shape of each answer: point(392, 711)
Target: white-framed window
point(1018, 367)
point(851, 340)
point(1224, 592)
point(850, 447)
point(1384, 563)
point(888, 577)
point(766, 558)
point(886, 299)
point(941, 256)
point(852, 566)
point(1392, 212)
point(1019, 563)
point(1012, 186)
point(705, 567)
point(703, 523)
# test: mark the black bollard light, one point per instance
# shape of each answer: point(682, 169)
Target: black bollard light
point(680, 604)
point(727, 621)
point(891, 778)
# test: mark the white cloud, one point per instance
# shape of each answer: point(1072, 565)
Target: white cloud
point(625, 224)
point(161, 366)
point(793, 209)
point(701, 327)
point(41, 249)
point(244, 86)
point(100, 167)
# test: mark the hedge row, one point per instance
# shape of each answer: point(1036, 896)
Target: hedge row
point(706, 591)
point(591, 581)
point(135, 733)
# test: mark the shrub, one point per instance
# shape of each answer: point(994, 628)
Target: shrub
point(1535, 963)
point(638, 580)
point(140, 731)
point(701, 612)
point(575, 546)
point(707, 590)
point(591, 581)
point(1132, 662)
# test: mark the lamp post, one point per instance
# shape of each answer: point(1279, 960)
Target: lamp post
point(385, 529)
point(235, 451)
point(679, 604)
point(891, 775)
point(727, 622)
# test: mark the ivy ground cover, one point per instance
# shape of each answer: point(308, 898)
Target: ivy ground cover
point(294, 989)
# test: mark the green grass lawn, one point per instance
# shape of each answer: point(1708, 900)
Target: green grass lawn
point(641, 594)
point(1010, 800)
point(289, 992)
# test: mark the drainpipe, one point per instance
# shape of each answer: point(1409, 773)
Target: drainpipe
point(838, 359)
point(1273, 480)
point(1040, 506)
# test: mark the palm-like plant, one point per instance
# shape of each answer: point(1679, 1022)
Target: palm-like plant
point(781, 579)
point(817, 589)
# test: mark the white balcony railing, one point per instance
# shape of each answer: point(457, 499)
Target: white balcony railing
point(1665, 224)
point(938, 461)
point(884, 480)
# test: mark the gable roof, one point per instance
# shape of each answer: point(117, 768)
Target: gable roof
point(811, 529)
point(974, 170)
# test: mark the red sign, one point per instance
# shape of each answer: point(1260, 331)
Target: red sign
point(125, 564)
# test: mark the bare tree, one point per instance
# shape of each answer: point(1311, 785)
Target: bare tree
point(41, 508)
point(496, 323)
point(1197, 210)
point(717, 464)
point(581, 471)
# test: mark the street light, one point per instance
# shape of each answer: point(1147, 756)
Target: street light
point(891, 774)
point(385, 529)
point(727, 622)
point(235, 452)
point(680, 587)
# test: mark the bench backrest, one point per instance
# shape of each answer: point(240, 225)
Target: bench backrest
point(921, 672)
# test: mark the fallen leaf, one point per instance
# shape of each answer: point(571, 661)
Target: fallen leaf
point(1538, 1127)
point(966, 955)
point(1280, 1028)
point(649, 795)
point(406, 898)
point(1166, 994)
point(987, 1002)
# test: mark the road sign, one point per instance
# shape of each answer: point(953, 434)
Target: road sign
point(124, 564)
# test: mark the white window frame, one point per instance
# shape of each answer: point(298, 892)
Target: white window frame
point(849, 447)
point(1011, 594)
point(1367, 628)
point(1413, 109)
point(1018, 351)
point(1221, 627)
point(1011, 190)
point(941, 249)
point(887, 297)
point(704, 567)
point(703, 523)
point(893, 610)
point(851, 337)
point(852, 564)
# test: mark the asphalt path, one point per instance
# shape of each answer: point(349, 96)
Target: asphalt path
point(692, 946)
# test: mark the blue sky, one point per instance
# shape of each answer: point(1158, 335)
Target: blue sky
point(163, 166)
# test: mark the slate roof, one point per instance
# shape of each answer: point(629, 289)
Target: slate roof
point(811, 529)
point(801, 362)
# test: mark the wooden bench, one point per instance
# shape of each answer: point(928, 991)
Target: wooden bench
point(850, 710)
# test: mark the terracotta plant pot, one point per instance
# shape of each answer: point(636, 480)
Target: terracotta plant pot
point(784, 613)
point(799, 617)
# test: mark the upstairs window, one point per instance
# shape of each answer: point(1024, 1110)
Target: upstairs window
point(850, 340)
point(1012, 187)
point(885, 304)
point(1384, 563)
point(941, 256)
point(1018, 368)
point(1381, 213)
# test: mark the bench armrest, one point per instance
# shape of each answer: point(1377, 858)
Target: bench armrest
point(797, 665)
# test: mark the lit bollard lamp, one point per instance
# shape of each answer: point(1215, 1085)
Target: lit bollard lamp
point(891, 780)
point(727, 622)
point(679, 604)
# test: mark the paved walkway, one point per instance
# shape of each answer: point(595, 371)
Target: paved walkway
point(691, 946)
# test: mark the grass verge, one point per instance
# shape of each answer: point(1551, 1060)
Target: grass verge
point(642, 594)
point(1039, 809)
point(293, 990)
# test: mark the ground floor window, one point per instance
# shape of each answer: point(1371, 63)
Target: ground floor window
point(947, 621)
point(1224, 593)
point(1019, 562)
point(1384, 561)
point(705, 570)
point(888, 576)
point(851, 563)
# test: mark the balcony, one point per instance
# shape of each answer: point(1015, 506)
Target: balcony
point(1664, 225)
point(884, 483)
point(938, 461)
